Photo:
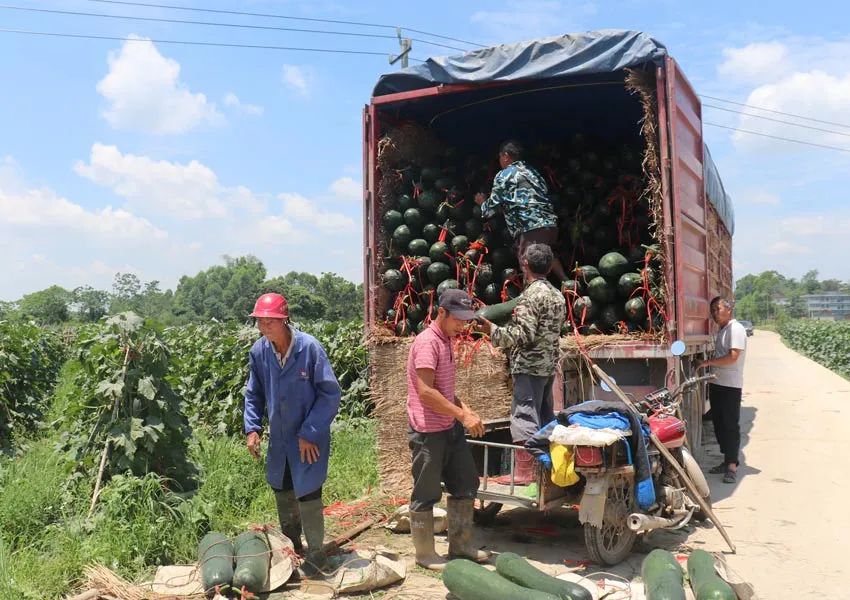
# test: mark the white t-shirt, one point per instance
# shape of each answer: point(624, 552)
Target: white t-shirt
point(730, 337)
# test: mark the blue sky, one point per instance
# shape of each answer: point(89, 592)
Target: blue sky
point(159, 159)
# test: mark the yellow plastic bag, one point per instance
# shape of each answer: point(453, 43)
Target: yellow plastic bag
point(563, 466)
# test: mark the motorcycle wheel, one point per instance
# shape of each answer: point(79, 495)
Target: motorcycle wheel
point(485, 512)
point(612, 543)
point(699, 514)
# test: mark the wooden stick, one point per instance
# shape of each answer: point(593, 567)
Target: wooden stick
point(89, 595)
point(348, 535)
point(666, 454)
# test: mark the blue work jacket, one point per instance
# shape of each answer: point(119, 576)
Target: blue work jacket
point(299, 400)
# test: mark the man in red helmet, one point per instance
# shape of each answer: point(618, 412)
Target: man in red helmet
point(291, 384)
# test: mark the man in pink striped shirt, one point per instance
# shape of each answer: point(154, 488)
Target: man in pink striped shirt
point(437, 418)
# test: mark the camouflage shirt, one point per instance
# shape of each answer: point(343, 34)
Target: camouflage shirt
point(521, 192)
point(535, 328)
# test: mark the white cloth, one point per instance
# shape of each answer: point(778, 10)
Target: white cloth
point(733, 336)
point(577, 435)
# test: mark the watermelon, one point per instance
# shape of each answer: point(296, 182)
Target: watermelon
point(636, 310)
point(473, 228)
point(391, 314)
point(418, 247)
point(472, 255)
point(508, 273)
point(586, 273)
point(404, 327)
point(512, 291)
point(476, 212)
point(402, 237)
point(637, 255)
point(492, 293)
point(613, 265)
point(431, 233)
point(392, 219)
point(404, 202)
point(628, 283)
point(447, 284)
point(605, 237)
point(438, 252)
point(501, 258)
point(484, 274)
point(428, 200)
point(413, 219)
point(421, 327)
point(416, 312)
point(439, 272)
point(442, 213)
point(428, 176)
point(421, 267)
point(444, 184)
point(394, 280)
point(601, 291)
point(460, 244)
point(583, 305)
point(610, 316)
point(572, 287)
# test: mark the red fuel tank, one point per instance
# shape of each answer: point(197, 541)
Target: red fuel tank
point(670, 430)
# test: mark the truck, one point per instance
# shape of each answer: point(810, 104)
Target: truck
point(608, 85)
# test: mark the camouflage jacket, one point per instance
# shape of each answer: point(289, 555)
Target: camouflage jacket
point(535, 328)
point(521, 193)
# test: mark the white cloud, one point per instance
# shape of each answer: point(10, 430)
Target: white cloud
point(303, 210)
point(760, 197)
point(816, 225)
point(517, 21)
point(345, 188)
point(786, 248)
point(754, 62)
point(298, 79)
point(144, 92)
point(231, 100)
point(183, 191)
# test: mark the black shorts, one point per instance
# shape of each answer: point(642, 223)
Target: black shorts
point(542, 235)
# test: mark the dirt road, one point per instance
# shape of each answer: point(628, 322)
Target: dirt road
point(787, 513)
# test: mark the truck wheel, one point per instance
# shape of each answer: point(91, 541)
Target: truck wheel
point(612, 543)
point(485, 512)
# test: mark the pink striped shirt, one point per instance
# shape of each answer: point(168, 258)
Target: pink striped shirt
point(431, 349)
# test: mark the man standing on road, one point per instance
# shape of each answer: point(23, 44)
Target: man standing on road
point(292, 384)
point(532, 336)
point(440, 452)
point(730, 347)
point(520, 192)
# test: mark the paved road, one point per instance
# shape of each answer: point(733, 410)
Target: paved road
point(788, 513)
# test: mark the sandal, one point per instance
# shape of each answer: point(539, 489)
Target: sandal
point(717, 470)
point(730, 476)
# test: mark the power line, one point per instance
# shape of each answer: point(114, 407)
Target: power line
point(731, 110)
point(778, 112)
point(191, 43)
point(776, 137)
point(279, 16)
point(214, 24)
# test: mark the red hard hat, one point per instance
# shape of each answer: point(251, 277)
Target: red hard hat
point(272, 306)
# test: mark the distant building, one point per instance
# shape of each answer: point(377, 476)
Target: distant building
point(827, 305)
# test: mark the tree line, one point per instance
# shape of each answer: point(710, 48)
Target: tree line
point(224, 292)
point(770, 295)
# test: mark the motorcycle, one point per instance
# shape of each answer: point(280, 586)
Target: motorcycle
point(611, 518)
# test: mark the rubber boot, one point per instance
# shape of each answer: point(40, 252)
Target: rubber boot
point(523, 470)
point(422, 532)
point(289, 517)
point(313, 523)
point(460, 530)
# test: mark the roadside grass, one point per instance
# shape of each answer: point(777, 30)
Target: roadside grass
point(47, 538)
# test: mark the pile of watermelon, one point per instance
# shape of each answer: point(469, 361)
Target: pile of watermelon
point(434, 237)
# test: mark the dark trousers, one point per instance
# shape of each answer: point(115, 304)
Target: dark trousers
point(531, 406)
point(288, 485)
point(441, 456)
point(726, 416)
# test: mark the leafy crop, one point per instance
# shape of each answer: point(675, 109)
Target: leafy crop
point(125, 403)
point(826, 342)
point(30, 358)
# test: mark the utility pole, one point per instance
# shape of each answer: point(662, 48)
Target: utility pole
point(405, 44)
